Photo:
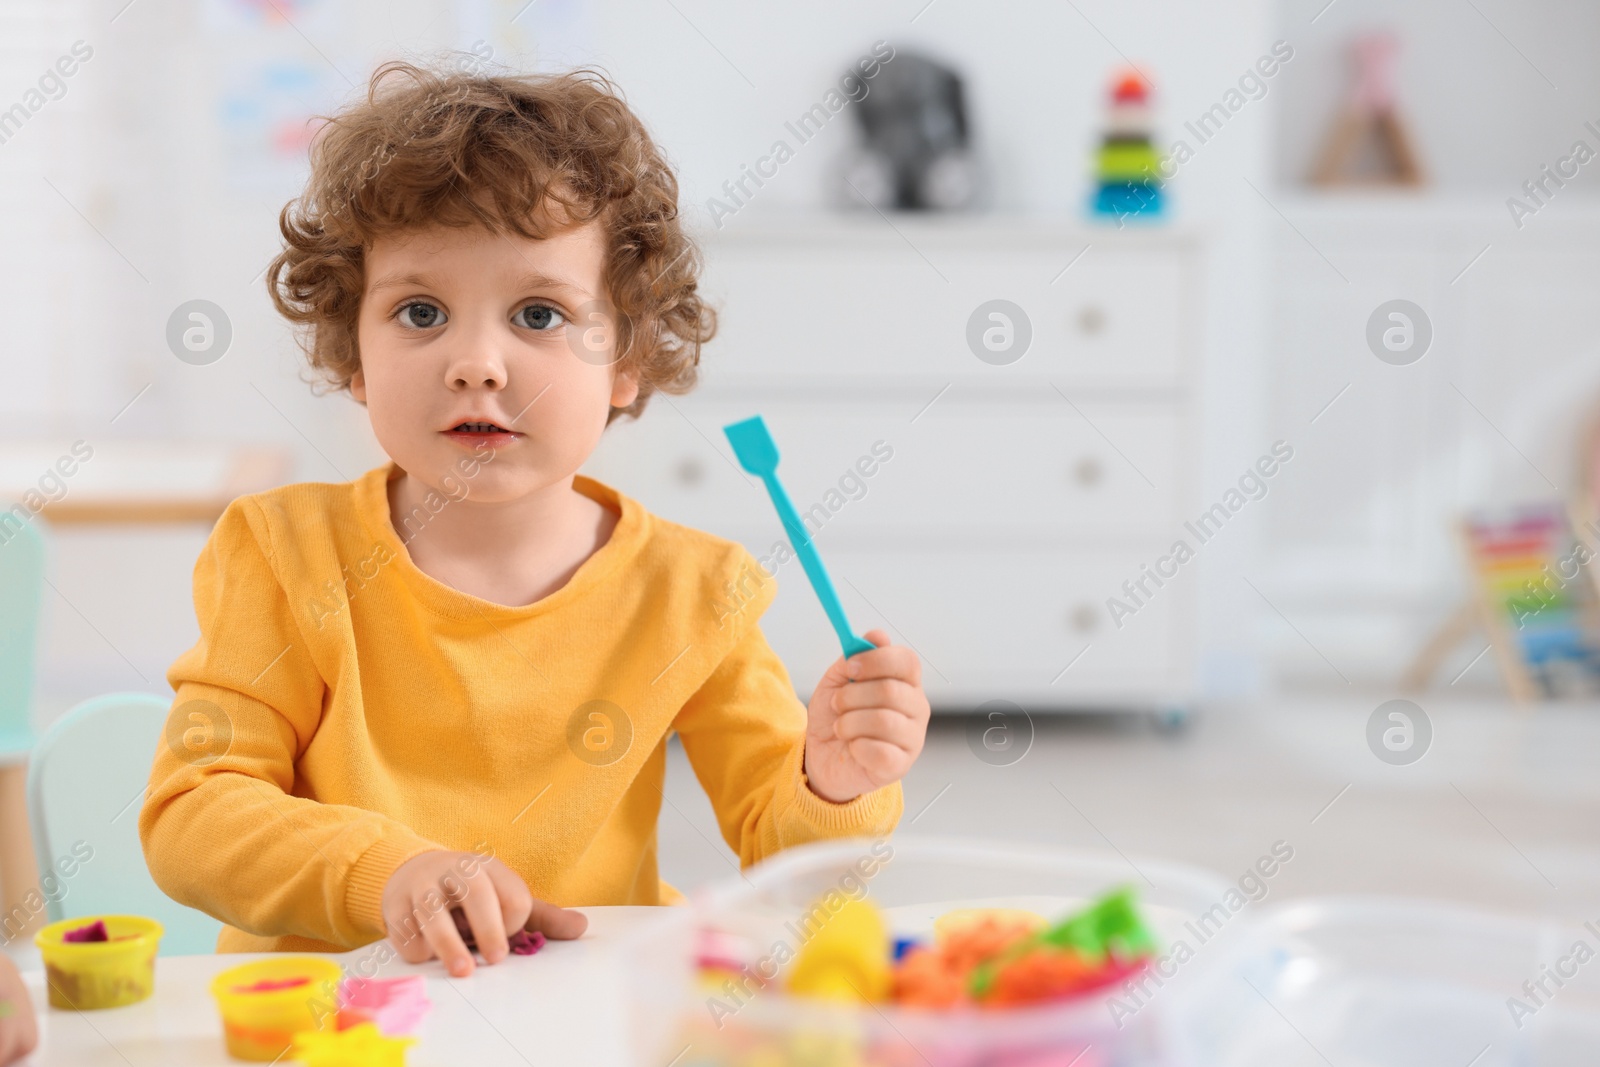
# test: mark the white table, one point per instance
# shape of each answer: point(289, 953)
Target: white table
point(560, 1006)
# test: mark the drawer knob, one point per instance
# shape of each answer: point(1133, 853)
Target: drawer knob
point(1091, 319)
point(1083, 618)
point(1088, 471)
point(691, 472)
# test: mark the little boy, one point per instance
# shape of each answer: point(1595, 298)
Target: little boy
point(441, 694)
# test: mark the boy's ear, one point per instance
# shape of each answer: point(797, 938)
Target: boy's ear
point(625, 387)
point(358, 386)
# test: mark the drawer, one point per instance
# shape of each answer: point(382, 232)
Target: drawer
point(902, 471)
point(1116, 318)
point(1000, 625)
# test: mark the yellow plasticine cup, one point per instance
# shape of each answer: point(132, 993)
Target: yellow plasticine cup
point(261, 1024)
point(89, 975)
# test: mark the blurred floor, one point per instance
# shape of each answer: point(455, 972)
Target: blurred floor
point(1503, 811)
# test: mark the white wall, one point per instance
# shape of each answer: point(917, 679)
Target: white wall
point(1360, 552)
point(172, 205)
point(171, 190)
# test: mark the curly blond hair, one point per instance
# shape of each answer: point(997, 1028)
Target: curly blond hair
point(454, 147)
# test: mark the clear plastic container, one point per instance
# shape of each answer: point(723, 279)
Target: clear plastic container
point(1384, 982)
point(678, 1020)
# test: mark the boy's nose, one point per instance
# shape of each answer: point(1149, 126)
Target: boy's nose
point(483, 378)
point(479, 366)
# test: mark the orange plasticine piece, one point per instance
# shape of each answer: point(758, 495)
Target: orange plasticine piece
point(968, 946)
point(1041, 974)
point(937, 977)
point(925, 979)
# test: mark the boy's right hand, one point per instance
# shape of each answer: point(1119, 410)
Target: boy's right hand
point(419, 895)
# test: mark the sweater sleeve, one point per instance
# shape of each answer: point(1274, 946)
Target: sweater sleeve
point(221, 828)
point(744, 733)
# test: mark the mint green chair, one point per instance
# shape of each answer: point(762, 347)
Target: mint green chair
point(22, 563)
point(86, 784)
point(21, 589)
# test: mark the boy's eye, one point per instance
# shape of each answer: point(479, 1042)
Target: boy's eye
point(419, 315)
point(540, 317)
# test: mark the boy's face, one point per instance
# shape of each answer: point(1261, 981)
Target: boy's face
point(472, 340)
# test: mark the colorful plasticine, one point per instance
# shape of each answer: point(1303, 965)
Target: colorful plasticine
point(1102, 942)
point(988, 958)
point(396, 1005)
point(936, 977)
point(718, 950)
point(523, 942)
point(359, 1046)
point(846, 958)
point(1112, 926)
point(526, 942)
point(272, 985)
point(951, 921)
point(95, 931)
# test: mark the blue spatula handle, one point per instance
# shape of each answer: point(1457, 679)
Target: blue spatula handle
point(801, 539)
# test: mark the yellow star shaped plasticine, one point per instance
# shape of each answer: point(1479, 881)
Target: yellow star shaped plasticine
point(360, 1046)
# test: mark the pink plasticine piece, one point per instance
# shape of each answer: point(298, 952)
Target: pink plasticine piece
point(523, 942)
point(271, 985)
point(396, 1005)
point(719, 950)
point(526, 943)
point(95, 931)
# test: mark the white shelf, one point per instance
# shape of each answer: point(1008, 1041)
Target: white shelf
point(1435, 207)
point(846, 228)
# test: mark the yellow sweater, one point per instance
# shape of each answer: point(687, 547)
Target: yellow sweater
point(343, 712)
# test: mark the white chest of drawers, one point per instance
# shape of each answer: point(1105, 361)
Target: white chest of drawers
point(1004, 503)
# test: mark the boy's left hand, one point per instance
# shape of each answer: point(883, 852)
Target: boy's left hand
point(867, 720)
point(19, 1031)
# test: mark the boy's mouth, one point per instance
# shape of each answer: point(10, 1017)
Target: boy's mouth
point(476, 431)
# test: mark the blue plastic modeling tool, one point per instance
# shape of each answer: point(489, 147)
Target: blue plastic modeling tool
point(758, 454)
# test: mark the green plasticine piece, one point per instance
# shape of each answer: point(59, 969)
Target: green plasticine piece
point(1109, 927)
point(982, 979)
